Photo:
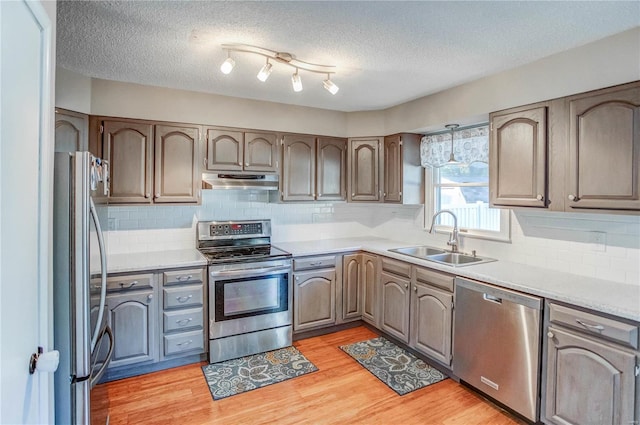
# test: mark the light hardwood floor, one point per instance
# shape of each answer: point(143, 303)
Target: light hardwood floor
point(341, 392)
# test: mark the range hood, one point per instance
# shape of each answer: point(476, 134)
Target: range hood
point(240, 181)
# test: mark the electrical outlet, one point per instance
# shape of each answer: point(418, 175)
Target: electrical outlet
point(598, 241)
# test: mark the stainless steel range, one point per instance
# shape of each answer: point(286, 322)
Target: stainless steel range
point(250, 292)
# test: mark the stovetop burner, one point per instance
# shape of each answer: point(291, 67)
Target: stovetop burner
point(236, 241)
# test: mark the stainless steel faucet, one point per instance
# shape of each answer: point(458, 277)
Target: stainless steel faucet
point(453, 241)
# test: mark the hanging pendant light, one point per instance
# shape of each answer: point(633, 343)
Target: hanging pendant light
point(452, 158)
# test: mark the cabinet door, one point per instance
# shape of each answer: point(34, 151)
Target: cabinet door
point(314, 299)
point(260, 152)
point(352, 287)
point(331, 182)
point(370, 297)
point(588, 382)
point(518, 158)
point(604, 151)
point(431, 318)
point(364, 170)
point(392, 188)
point(299, 168)
point(395, 305)
point(129, 151)
point(133, 318)
point(71, 132)
point(224, 149)
point(176, 164)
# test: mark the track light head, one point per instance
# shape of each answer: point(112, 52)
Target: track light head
point(265, 72)
point(227, 65)
point(296, 81)
point(330, 86)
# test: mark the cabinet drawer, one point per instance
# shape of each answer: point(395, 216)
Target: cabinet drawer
point(432, 278)
point(121, 283)
point(183, 319)
point(314, 262)
point(184, 342)
point(592, 324)
point(182, 296)
point(396, 267)
point(179, 277)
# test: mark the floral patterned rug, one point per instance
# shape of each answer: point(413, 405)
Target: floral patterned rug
point(259, 370)
point(400, 370)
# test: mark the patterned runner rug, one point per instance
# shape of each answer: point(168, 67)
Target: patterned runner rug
point(400, 370)
point(259, 370)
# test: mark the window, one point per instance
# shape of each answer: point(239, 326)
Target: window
point(462, 187)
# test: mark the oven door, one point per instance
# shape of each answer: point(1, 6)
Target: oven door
point(249, 300)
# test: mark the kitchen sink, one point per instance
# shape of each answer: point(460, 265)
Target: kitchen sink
point(455, 259)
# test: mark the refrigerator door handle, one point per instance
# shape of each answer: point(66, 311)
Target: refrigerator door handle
point(103, 279)
point(96, 377)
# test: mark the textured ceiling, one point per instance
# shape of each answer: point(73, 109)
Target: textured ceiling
point(386, 53)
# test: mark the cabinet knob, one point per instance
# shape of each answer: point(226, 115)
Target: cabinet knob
point(157, 195)
point(406, 286)
point(353, 194)
point(540, 197)
point(146, 195)
point(550, 334)
point(240, 163)
point(573, 198)
point(297, 278)
point(384, 194)
point(149, 297)
point(415, 289)
point(246, 164)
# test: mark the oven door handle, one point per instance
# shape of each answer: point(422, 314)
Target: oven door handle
point(250, 272)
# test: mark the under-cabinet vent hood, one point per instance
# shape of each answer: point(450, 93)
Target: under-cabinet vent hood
point(240, 181)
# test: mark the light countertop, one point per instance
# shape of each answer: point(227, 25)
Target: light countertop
point(156, 260)
point(619, 299)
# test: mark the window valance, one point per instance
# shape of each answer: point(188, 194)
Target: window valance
point(469, 145)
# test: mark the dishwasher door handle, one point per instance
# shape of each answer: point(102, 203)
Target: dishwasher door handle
point(492, 298)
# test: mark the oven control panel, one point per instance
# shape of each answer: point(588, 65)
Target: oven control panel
point(235, 229)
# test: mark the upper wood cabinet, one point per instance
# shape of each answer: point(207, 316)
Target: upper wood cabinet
point(128, 146)
point(604, 149)
point(313, 168)
point(299, 168)
point(176, 169)
point(518, 157)
point(402, 174)
point(331, 169)
point(144, 170)
point(238, 150)
point(71, 133)
point(365, 163)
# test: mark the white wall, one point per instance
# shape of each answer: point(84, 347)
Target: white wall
point(73, 91)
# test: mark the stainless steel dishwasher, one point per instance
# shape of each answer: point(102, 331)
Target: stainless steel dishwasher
point(497, 344)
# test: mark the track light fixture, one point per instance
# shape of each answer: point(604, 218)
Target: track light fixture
point(283, 58)
point(228, 64)
point(296, 82)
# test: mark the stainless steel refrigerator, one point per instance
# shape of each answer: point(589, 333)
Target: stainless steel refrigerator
point(81, 333)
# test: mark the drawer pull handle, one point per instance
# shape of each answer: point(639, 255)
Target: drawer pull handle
point(591, 327)
point(184, 299)
point(315, 263)
point(183, 322)
point(180, 344)
point(131, 285)
point(491, 298)
point(183, 278)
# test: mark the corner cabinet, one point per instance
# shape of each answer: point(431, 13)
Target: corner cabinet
point(370, 289)
point(604, 150)
point(236, 150)
point(152, 162)
point(364, 169)
point(402, 172)
point(592, 371)
point(352, 286)
point(518, 157)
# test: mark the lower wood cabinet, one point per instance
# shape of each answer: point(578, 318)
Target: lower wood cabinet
point(431, 320)
point(314, 295)
point(352, 286)
point(591, 375)
point(133, 318)
point(370, 289)
point(395, 304)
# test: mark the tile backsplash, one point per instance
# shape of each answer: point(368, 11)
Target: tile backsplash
point(597, 245)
